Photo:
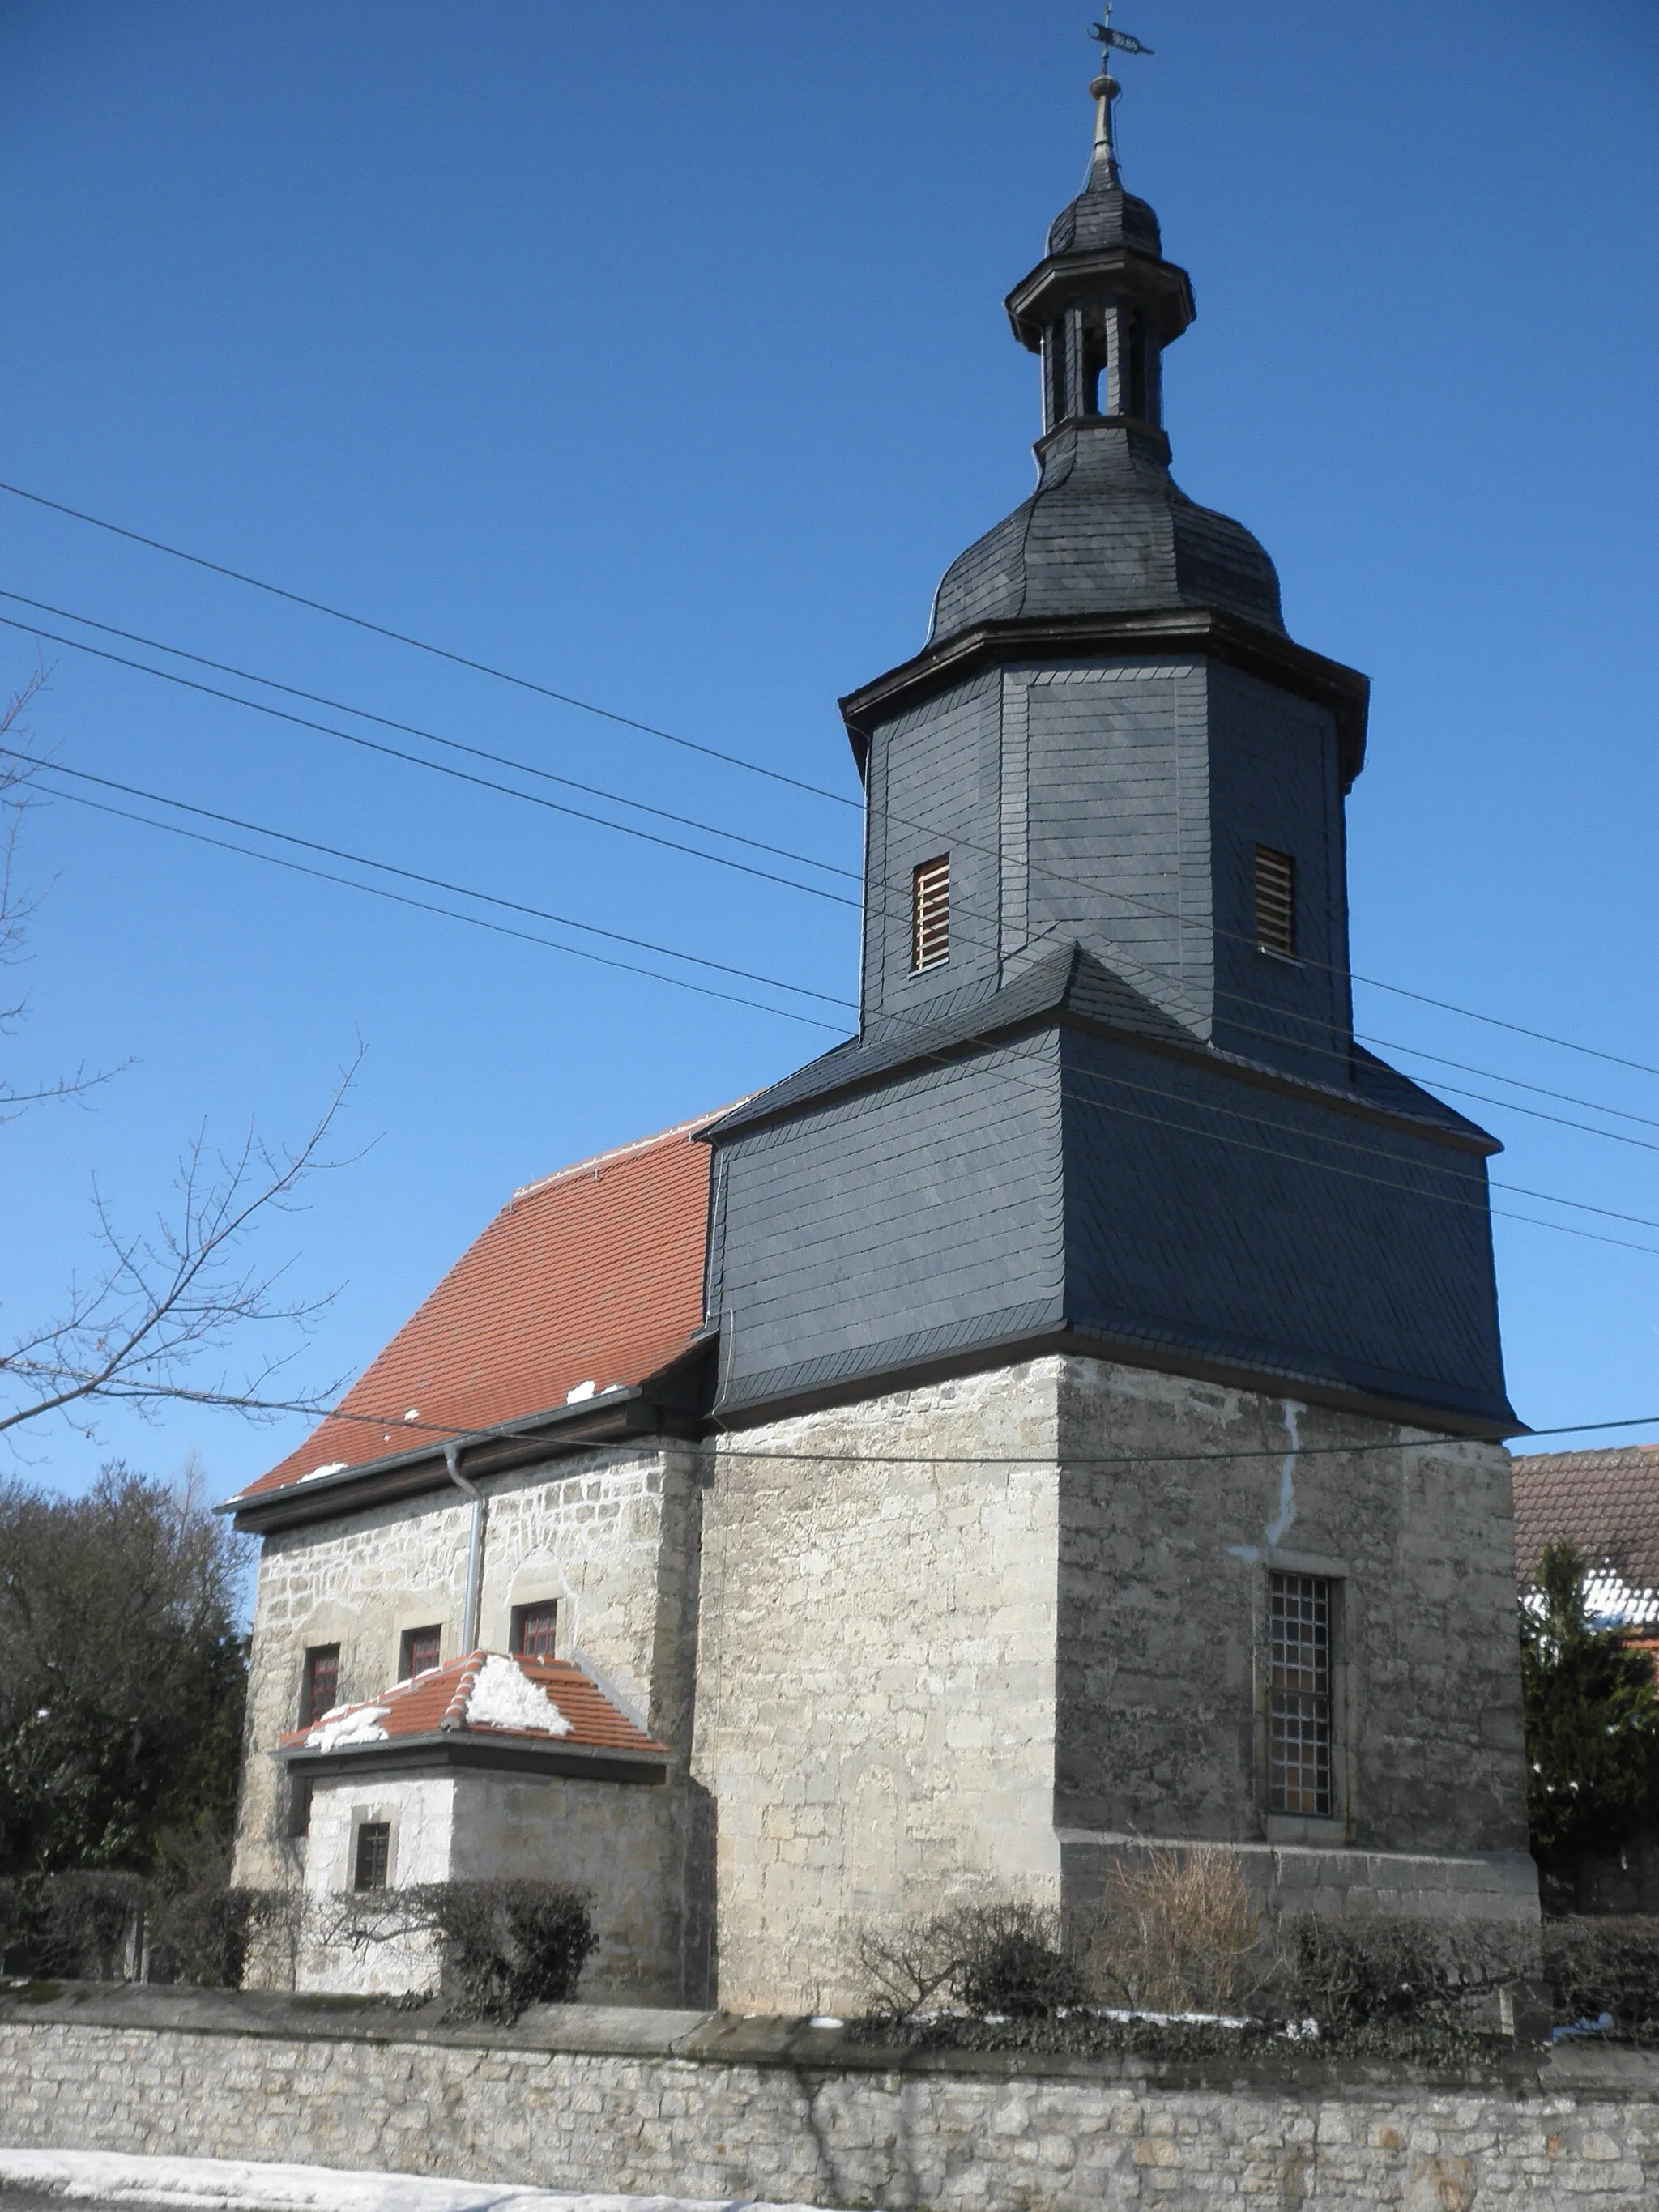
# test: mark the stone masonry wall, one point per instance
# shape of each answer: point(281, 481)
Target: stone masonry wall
point(1164, 1568)
point(611, 1535)
point(876, 1674)
point(673, 2105)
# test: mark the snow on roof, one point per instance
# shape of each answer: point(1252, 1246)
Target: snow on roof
point(491, 1692)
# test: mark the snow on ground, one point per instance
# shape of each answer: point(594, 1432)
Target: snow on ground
point(226, 2185)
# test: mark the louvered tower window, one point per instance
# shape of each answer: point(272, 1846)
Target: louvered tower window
point(1299, 1695)
point(1275, 899)
point(930, 914)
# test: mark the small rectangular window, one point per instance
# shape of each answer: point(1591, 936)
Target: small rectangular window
point(930, 915)
point(1275, 901)
point(1299, 1695)
point(319, 1684)
point(418, 1649)
point(373, 1855)
point(533, 1630)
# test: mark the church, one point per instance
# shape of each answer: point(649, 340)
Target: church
point(1068, 1415)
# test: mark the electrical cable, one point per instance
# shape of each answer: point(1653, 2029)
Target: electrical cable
point(1433, 1442)
point(947, 1060)
point(438, 651)
point(425, 906)
point(414, 730)
point(432, 768)
point(734, 760)
point(709, 829)
point(414, 875)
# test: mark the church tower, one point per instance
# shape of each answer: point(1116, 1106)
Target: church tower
point(1108, 1373)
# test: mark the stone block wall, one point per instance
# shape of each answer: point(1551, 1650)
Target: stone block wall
point(876, 1675)
point(612, 1536)
point(717, 2109)
point(1163, 1566)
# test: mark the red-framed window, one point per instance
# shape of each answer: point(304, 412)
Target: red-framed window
point(418, 1650)
point(319, 1683)
point(533, 1628)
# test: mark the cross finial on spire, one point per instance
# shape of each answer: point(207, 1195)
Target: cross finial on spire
point(1106, 89)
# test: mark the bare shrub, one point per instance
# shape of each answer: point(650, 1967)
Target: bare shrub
point(1177, 1931)
point(503, 1945)
point(904, 1968)
point(87, 1926)
point(203, 1936)
point(1392, 1986)
point(1606, 1965)
point(1007, 1957)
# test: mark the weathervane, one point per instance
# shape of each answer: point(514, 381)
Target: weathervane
point(1114, 41)
point(1105, 87)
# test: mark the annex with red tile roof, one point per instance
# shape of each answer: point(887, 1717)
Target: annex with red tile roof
point(586, 1280)
point(482, 1698)
point(1605, 1503)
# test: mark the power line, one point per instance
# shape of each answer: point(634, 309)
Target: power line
point(432, 768)
point(1435, 1441)
point(1566, 1097)
point(710, 828)
point(437, 651)
point(410, 729)
point(946, 1061)
point(733, 760)
point(425, 906)
point(433, 883)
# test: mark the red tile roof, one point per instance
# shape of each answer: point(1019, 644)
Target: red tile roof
point(439, 1701)
point(1607, 1502)
point(593, 1275)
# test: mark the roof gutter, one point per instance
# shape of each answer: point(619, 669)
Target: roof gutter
point(474, 1547)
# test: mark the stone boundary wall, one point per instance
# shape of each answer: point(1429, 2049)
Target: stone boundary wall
point(600, 2100)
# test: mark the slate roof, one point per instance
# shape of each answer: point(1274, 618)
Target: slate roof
point(1068, 980)
point(1107, 530)
point(1103, 215)
point(1605, 1501)
point(593, 1275)
point(440, 1703)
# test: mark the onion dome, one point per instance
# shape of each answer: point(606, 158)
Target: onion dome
point(1107, 530)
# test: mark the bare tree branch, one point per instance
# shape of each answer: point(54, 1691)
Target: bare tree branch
point(157, 1305)
point(17, 906)
point(160, 1303)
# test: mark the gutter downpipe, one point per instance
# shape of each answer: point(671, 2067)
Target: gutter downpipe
point(475, 1546)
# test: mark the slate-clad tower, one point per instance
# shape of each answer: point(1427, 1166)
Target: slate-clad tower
point(1148, 1126)
point(1108, 1359)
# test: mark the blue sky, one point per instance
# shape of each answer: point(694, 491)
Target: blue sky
point(659, 356)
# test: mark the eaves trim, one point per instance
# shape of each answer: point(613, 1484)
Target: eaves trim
point(1278, 659)
point(909, 1362)
point(952, 1043)
point(619, 1416)
point(455, 1749)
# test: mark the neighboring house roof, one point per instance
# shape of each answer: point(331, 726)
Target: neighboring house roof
point(589, 1279)
point(1606, 1504)
point(481, 1698)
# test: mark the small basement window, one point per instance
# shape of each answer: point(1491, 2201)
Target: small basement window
point(533, 1630)
point(418, 1649)
point(1275, 901)
point(319, 1684)
point(930, 915)
point(1299, 1695)
point(373, 1858)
